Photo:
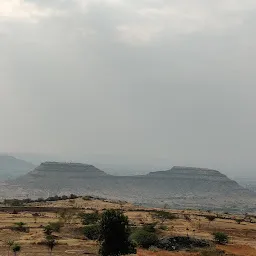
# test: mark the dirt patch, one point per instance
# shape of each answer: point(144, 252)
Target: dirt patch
point(239, 250)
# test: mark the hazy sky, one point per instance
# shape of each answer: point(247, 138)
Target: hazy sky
point(153, 79)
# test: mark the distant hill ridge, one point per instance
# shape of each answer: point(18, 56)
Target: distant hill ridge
point(11, 167)
point(68, 167)
point(179, 187)
point(190, 172)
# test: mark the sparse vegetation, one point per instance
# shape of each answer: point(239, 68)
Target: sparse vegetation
point(92, 231)
point(221, 238)
point(144, 238)
point(51, 243)
point(147, 233)
point(20, 226)
point(90, 218)
point(163, 227)
point(66, 216)
point(164, 215)
point(48, 230)
point(16, 248)
point(9, 243)
point(150, 227)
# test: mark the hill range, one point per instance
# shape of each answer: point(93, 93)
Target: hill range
point(179, 187)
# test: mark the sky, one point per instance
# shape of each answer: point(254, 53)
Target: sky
point(132, 81)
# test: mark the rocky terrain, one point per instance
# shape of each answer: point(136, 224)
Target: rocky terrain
point(179, 187)
point(11, 167)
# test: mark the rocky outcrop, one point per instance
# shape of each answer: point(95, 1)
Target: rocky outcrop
point(179, 187)
point(178, 243)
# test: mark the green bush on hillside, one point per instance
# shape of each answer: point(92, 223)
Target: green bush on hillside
point(221, 238)
point(92, 232)
point(144, 238)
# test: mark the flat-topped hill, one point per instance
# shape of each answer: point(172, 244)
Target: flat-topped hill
point(180, 171)
point(71, 168)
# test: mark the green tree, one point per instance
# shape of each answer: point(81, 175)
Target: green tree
point(48, 230)
point(10, 243)
point(114, 234)
point(51, 243)
point(16, 248)
point(210, 218)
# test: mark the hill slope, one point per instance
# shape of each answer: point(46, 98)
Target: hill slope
point(180, 187)
point(11, 167)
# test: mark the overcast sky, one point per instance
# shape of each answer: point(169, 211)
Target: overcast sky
point(149, 79)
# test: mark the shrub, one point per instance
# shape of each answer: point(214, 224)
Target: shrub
point(66, 216)
point(187, 217)
point(20, 226)
point(16, 248)
point(87, 198)
point(90, 218)
point(56, 226)
point(64, 197)
point(238, 221)
point(72, 196)
point(210, 217)
point(92, 232)
point(144, 238)
point(51, 243)
point(163, 216)
point(163, 227)
point(48, 230)
point(221, 238)
point(150, 227)
point(114, 234)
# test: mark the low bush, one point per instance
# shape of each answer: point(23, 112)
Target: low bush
point(90, 218)
point(144, 238)
point(56, 226)
point(163, 216)
point(220, 238)
point(48, 230)
point(210, 217)
point(163, 227)
point(20, 226)
point(92, 232)
point(150, 227)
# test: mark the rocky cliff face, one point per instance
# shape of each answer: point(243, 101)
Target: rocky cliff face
point(180, 187)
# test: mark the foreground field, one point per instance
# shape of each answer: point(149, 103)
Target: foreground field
point(71, 241)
